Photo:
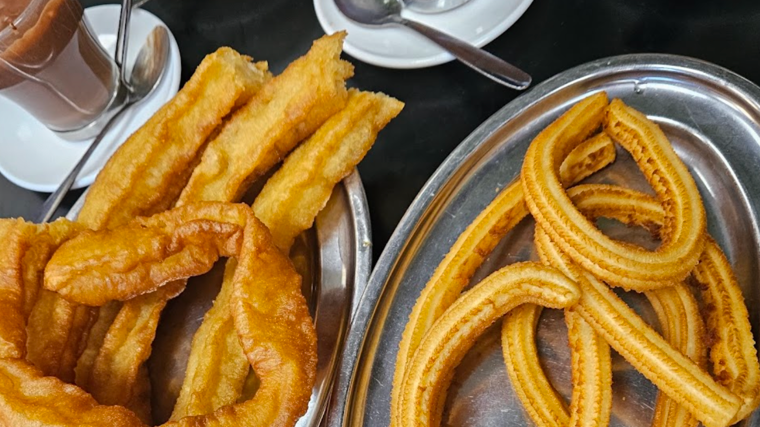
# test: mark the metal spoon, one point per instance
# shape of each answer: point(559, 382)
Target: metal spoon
point(146, 73)
point(433, 6)
point(388, 12)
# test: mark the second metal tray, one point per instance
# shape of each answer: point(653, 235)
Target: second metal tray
point(710, 115)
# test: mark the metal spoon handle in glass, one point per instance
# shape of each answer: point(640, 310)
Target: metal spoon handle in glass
point(122, 35)
point(146, 74)
point(479, 60)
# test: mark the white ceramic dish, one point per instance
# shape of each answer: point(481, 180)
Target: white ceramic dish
point(33, 157)
point(477, 22)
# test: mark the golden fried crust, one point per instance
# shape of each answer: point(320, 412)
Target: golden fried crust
point(672, 372)
point(591, 402)
point(518, 341)
point(150, 169)
point(678, 313)
point(283, 112)
point(457, 329)
point(474, 245)
point(676, 308)
point(283, 354)
point(295, 194)
point(27, 397)
point(617, 263)
point(217, 366)
point(732, 350)
point(16, 236)
point(286, 110)
point(120, 264)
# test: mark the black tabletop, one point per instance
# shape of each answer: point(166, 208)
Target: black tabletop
point(445, 103)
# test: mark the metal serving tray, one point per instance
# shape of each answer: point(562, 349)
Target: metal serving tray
point(335, 258)
point(712, 117)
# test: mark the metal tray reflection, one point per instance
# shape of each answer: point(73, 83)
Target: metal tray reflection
point(711, 116)
point(335, 258)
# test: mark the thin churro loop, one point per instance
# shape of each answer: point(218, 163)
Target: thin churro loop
point(473, 246)
point(457, 329)
point(630, 267)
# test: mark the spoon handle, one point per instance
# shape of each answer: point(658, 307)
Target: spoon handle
point(481, 61)
point(54, 200)
point(122, 35)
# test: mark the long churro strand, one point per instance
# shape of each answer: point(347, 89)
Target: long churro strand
point(676, 308)
point(672, 372)
point(473, 246)
point(460, 325)
point(733, 354)
point(618, 264)
point(518, 340)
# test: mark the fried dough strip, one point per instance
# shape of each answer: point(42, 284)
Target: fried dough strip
point(676, 308)
point(294, 195)
point(266, 291)
point(216, 367)
point(287, 205)
point(27, 397)
point(148, 172)
point(253, 140)
point(678, 313)
point(541, 401)
point(473, 246)
point(591, 401)
point(672, 372)
point(287, 110)
point(144, 176)
point(457, 329)
point(733, 353)
point(621, 265)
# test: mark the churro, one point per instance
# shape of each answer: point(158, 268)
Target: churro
point(474, 245)
point(618, 264)
point(672, 372)
point(444, 345)
point(518, 340)
point(676, 308)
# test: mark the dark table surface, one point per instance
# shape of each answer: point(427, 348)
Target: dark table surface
point(445, 103)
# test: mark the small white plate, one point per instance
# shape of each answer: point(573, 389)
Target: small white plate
point(477, 22)
point(33, 157)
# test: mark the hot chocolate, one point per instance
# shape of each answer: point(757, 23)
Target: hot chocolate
point(51, 65)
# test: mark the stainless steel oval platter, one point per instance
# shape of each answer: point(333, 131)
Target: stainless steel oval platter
point(712, 117)
point(335, 258)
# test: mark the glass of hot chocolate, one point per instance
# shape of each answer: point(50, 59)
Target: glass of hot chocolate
point(52, 66)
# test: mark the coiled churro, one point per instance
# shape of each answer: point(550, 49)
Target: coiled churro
point(618, 264)
point(676, 308)
point(474, 245)
point(675, 374)
point(457, 329)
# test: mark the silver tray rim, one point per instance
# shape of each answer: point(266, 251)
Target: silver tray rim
point(361, 270)
point(341, 405)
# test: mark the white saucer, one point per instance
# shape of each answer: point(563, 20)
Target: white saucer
point(34, 157)
point(477, 22)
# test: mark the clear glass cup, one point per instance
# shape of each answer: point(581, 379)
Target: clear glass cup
point(52, 66)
